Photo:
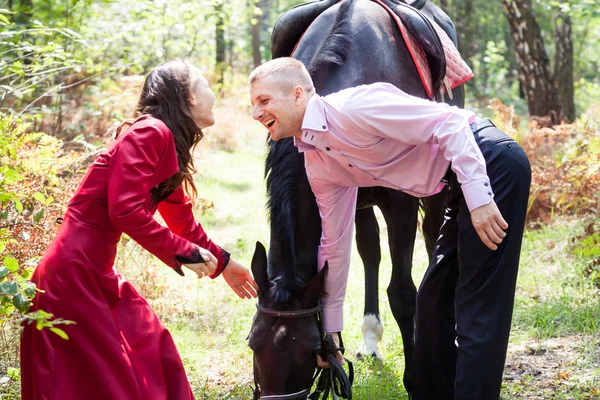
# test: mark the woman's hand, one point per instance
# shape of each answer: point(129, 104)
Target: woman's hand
point(240, 280)
point(206, 268)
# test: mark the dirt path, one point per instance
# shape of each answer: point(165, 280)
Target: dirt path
point(557, 368)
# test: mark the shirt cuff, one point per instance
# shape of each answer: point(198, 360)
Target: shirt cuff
point(477, 193)
point(333, 319)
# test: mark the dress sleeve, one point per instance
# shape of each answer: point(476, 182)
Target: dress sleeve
point(132, 166)
point(337, 207)
point(176, 210)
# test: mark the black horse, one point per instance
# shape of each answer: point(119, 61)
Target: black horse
point(400, 213)
point(350, 43)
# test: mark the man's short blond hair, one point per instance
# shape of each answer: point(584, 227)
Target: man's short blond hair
point(289, 73)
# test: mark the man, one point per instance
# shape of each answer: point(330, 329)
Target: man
point(377, 135)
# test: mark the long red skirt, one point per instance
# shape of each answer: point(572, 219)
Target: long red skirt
point(118, 349)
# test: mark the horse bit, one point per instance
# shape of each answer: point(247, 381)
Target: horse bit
point(337, 380)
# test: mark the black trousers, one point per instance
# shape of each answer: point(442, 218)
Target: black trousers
point(465, 302)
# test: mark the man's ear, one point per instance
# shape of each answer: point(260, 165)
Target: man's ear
point(298, 94)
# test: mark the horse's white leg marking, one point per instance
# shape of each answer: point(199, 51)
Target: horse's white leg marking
point(372, 331)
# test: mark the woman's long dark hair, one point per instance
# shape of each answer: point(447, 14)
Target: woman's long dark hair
point(165, 96)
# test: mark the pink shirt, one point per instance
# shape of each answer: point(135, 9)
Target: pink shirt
point(377, 135)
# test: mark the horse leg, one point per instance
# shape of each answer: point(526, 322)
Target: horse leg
point(433, 208)
point(367, 242)
point(400, 214)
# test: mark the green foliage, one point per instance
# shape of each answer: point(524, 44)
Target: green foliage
point(9, 173)
point(16, 291)
point(37, 66)
point(44, 320)
point(18, 208)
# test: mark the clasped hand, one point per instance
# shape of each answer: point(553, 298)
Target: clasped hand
point(236, 275)
point(206, 268)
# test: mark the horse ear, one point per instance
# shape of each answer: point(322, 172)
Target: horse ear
point(259, 267)
point(315, 288)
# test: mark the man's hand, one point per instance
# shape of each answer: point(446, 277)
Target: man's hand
point(338, 355)
point(489, 224)
point(206, 268)
point(239, 279)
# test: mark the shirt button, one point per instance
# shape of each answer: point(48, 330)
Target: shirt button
point(324, 127)
point(374, 179)
point(350, 165)
point(489, 193)
point(486, 184)
point(327, 148)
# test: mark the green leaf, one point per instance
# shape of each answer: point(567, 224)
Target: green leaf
point(39, 197)
point(39, 214)
point(11, 263)
point(2, 245)
point(11, 288)
point(21, 302)
point(60, 333)
point(29, 292)
point(13, 373)
point(7, 309)
point(26, 274)
point(3, 272)
point(18, 205)
point(4, 20)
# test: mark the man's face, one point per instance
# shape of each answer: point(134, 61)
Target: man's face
point(278, 110)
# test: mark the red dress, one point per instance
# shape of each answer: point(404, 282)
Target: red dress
point(118, 348)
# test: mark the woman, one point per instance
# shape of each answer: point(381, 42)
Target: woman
point(118, 349)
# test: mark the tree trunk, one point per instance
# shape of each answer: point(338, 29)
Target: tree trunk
point(563, 64)
point(220, 42)
point(464, 24)
point(265, 37)
point(534, 66)
point(256, 21)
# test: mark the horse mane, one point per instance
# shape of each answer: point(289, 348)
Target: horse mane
point(282, 172)
point(335, 48)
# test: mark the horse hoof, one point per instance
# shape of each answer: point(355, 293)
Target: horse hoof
point(374, 356)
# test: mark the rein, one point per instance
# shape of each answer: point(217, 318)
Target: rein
point(337, 381)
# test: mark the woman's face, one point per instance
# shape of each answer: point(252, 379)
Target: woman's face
point(201, 100)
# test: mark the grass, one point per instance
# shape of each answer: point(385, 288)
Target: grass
point(554, 296)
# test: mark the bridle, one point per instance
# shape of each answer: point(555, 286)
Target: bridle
point(338, 381)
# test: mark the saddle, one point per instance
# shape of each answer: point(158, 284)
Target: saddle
point(427, 41)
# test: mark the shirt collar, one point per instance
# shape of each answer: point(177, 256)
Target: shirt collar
point(314, 116)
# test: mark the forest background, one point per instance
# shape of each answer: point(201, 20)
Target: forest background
point(70, 70)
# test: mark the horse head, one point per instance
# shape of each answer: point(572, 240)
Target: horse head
point(285, 337)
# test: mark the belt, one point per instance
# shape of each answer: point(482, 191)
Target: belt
point(478, 125)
